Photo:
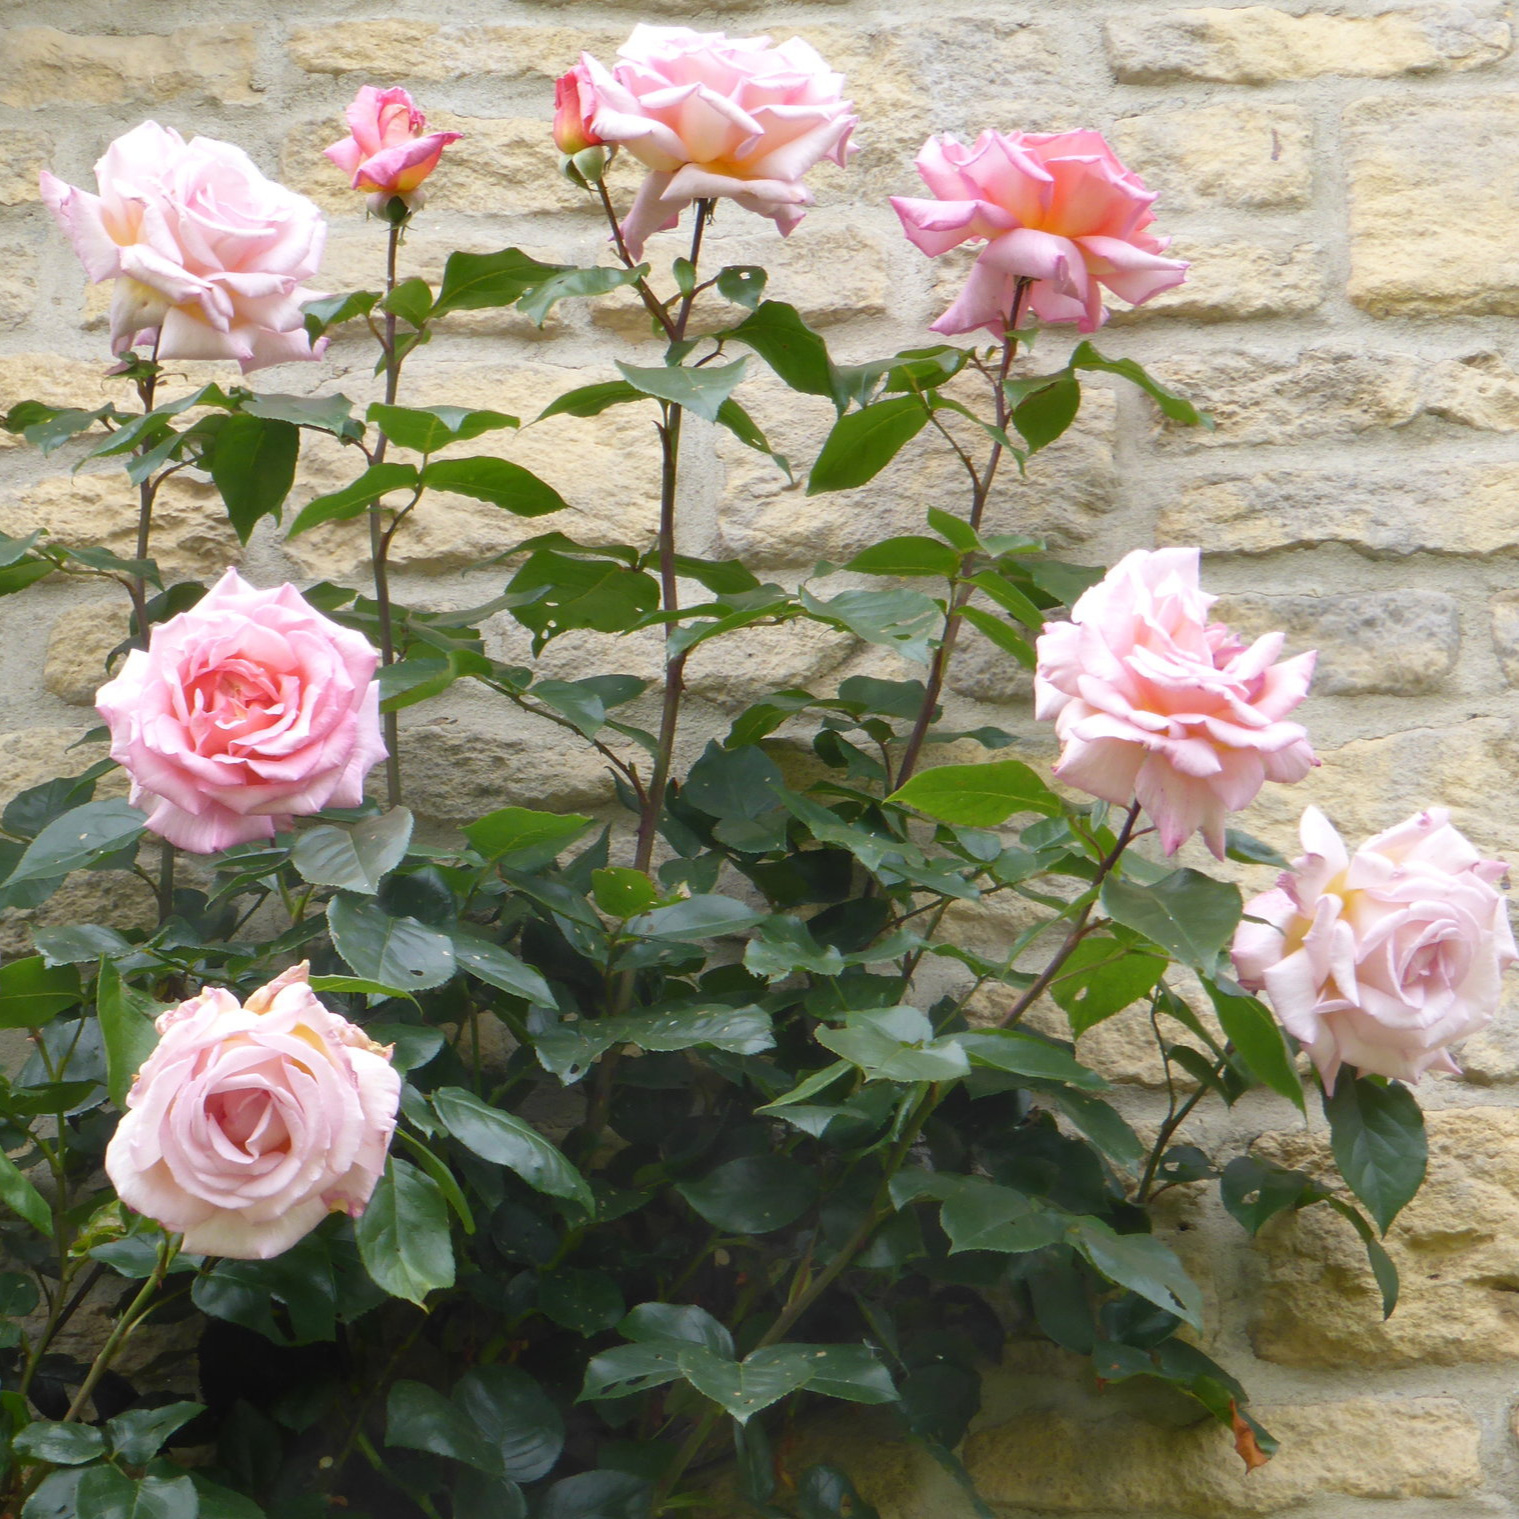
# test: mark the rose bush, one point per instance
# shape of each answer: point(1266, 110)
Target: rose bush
point(705, 1110)
point(208, 256)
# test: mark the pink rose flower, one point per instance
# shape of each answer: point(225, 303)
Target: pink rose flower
point(1153, 703)
point(713, 115)
point(1056, 208)
point(574, 106)
point(208, 255)
point(1382, 959)
point(245, 710)
point(250, 1123)
point(389, 150)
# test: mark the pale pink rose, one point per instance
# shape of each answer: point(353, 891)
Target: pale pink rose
point(206, 253)
point(1056, 208)
point(250, 1123)
point(1382, 959)
point(574, 106)
point(247, 709)
point(717, 116)
point(1155, 704)
point(389, 150)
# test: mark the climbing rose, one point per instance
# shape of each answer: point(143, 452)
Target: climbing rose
point(1057, 209)
point(1382, 959)
point(208, 255)
point(713, 115)
point(243, 711)
point(1155, 704)
point(574, 105)
point(388, 150)
point(250, 1123)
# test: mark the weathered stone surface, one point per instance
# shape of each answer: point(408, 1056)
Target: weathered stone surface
point(1261, 395)
point(606, 469)
point(55, 381)
point(1256, 44)
point(1237, 280)
point(1434, 214)
point(40, 65)
point(745, 666)
point(453, 771)
point(191, 534)
point(1457, 510)
point(23, 153)
point(1453, 1246)
point(427, 50)
point(77, 648)
point(1359, 1448)
point(1400, 642)
point(1217, 156)
point(1505, 614)
point(984, 672)
point(1068, 488)
point(1479, 390)
point(18, 282)
point(1491, 1057)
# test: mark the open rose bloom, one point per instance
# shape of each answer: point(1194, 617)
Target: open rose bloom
point(251, 1122)
point(208, 255)
point(1057, 209)
point(1382, 958)
point(388, 150)
point(1153, 703)
point(716, 116)
point(245, 710)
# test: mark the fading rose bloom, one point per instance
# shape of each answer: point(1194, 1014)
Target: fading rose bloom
point(245, 710)
point(250, 1123)
point(1154, 703)
point(574, 106)
point(1056, 208)
point(207, 254)
point(717, 116)
point(1382, 958)
point(389, 150)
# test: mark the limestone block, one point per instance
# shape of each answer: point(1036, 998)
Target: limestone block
point(1478, 390)
point(984, 672)
point(77, 647)
point(453, 771)
point(1257, 44)
point(744, 666)
point(1360, 1448)
point(18, 281)
point(40, 65)
point(1237, 280)
point(1256, 157)
point(1455, 510)
point(1454, 1246)
point(504, 166)
point(191, 534)
point(1491, 1057)
point(425, 50)
point(1400, 642)
point(1434, 212)
point(1265, 396)
point(607, 469)
point(1505, 614)
point(23, 154)
point(1068, 489)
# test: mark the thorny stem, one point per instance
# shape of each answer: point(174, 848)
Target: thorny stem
point(675, 664)
point(646, 295)
point(379, 540)
point(959, 598)
point(1079, 928)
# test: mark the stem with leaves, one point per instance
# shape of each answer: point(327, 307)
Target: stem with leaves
point(981, 489)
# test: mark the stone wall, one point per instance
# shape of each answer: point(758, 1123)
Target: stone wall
point(1345, 182)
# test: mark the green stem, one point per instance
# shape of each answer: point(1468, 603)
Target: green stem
point(1167, 1129)
point(125, 1325)
point(379, 542)
point(959, 599)
point(1079, 928)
